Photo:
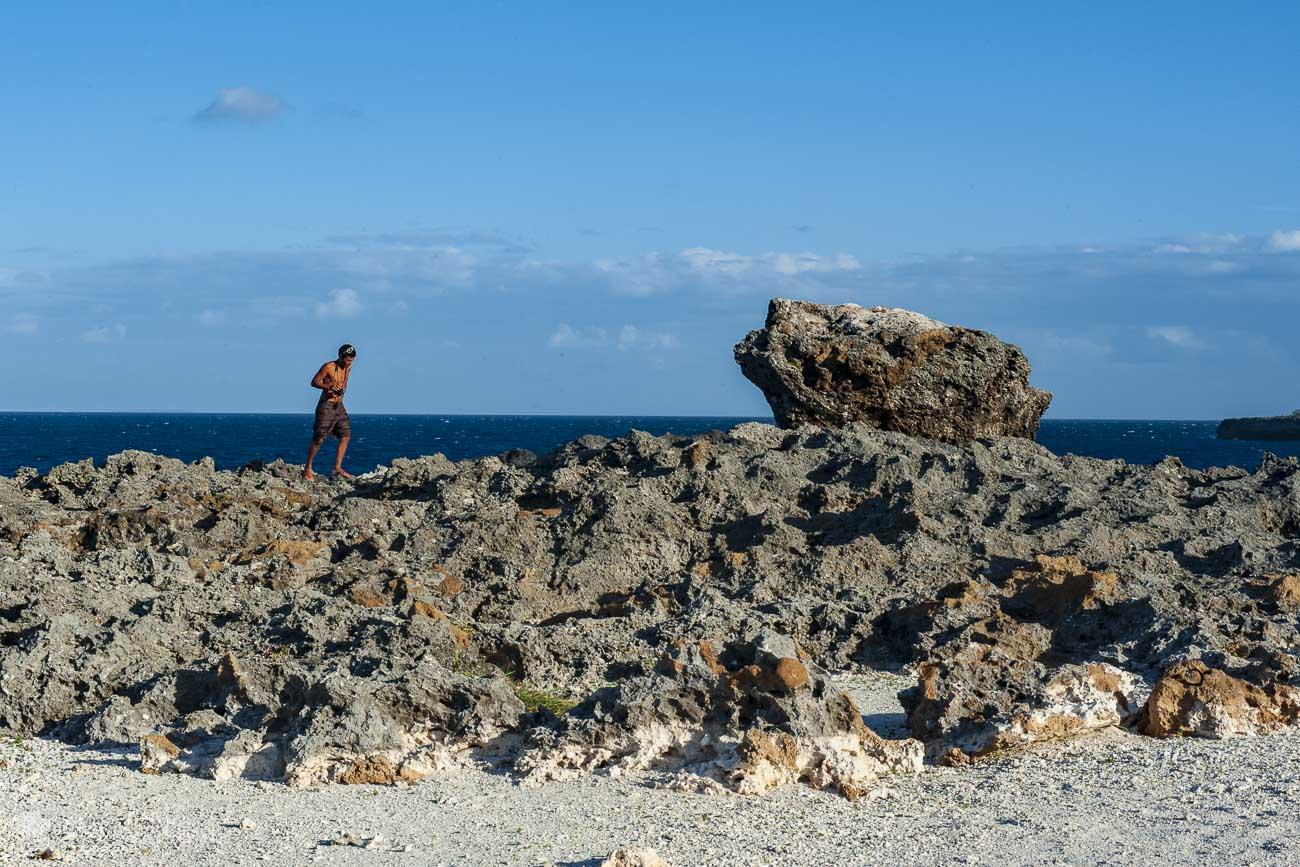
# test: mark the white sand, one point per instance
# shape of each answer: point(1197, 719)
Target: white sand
point(1116, 798)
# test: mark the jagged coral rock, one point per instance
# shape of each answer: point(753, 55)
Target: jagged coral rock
point(1192, 698)
point(122, 587)
point(1285, 590)
point(280, 721)
point(999, 682)
point(750, 717)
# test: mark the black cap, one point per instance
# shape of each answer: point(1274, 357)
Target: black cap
point(347, 349)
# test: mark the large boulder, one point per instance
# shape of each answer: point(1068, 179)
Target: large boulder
point(897, 370)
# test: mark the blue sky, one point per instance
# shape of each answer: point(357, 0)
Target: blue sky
point(580, 207)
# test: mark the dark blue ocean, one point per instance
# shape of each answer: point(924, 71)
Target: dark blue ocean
point(43, 440)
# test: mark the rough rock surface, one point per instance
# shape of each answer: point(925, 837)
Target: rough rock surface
point(891, 368)
point(1191, 698)
point(995, 681)
point(747, 715)
point(251, 624)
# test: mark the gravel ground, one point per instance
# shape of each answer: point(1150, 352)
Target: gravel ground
point(1115, 798)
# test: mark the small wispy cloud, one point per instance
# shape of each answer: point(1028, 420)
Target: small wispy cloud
point(104, 333)
point(624, 339)
point(1285, 241)
point(787, 264)
point(771, 272)
point(631, 337)
point(242, 104)
point(211, 318)
point(1176, 335)
point(566, 336)
point(342, 304)
point(22, 324)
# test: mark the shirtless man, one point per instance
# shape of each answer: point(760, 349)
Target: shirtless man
point(331, 416)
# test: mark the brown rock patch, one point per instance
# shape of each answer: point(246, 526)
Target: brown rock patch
point(1193, 699)
point(371, 770)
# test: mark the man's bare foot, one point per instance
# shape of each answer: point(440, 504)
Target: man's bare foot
point(309, 475)
point(342, 473)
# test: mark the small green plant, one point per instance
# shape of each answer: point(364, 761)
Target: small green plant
point(469, 667)
point(535, 699)
point(532, 697)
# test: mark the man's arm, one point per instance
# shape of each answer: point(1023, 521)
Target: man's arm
point(324, 378)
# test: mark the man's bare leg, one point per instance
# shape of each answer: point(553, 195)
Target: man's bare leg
point(311, 459)
point(338, 458)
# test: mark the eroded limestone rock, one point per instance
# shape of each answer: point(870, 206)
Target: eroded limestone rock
point(1005, 680)
point(1039, 595)
point(276, 721)
point(891, 368)
point(748, 715)
point(1191, 698)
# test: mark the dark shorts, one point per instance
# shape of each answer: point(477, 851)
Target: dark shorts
point(331, 420)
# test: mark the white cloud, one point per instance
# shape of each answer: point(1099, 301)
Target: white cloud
point(716, 261)
point(631, 337)
point(24, 324)
point(625, 338)
point(798, 263)
point(211, 318)
point(1285, 242)
point(1203, 244)
point(704, 267)
point(789, 264)
point(566, 336)
point(104, 333)
point(1177, 335)
point(399, 264)
point(246, 104)
point(342, 304)
point(628, 336)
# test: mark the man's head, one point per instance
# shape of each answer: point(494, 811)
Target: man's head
point(347, 352)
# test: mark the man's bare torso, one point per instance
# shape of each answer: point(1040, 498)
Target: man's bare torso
point(335, 378)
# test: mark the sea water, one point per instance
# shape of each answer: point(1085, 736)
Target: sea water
point(42, 440)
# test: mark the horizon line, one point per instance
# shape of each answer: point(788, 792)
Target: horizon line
point(108, 412)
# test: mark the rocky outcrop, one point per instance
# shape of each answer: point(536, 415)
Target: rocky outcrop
point(748, 716)
point(1000, 679)
point(250, 624)
point(284, 721)
point(893, 369)
point(1279, 427)
point(1193, 698)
